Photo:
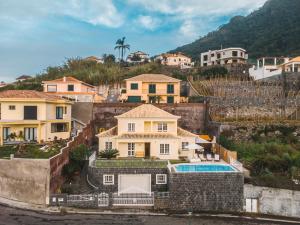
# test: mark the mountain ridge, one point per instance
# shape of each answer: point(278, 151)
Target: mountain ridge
point(272, 30)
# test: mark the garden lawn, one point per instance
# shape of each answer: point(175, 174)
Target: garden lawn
point(32, 151)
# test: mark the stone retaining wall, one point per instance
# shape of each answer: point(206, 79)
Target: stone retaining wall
point(206, 192)
point(193, 115)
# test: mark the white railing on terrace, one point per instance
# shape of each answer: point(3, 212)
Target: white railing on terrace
point(135, 199)
point(238, 165)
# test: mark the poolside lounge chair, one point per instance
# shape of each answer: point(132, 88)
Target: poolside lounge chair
point(208, 156)
point(217, 157)
point(202, 158)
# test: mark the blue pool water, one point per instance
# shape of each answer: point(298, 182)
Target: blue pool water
point(204, 168)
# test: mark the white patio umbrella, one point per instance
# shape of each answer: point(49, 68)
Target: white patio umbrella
point(194, 147)
point(201, 141)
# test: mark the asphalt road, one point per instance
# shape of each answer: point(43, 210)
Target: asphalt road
point(11, 216)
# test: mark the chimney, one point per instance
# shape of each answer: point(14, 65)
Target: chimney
point(64, 79)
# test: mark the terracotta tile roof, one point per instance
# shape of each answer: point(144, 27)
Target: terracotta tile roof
point(147, 111)
point(28, 94)
point(145, 135)
point(178, 54)
point(23, 77)
point(67, 80)
point(297, 59)
point(151, 77)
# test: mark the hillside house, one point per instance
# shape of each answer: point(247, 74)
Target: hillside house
point(147, 132)
point(73, 89)
point(33, 116)
point(175, 59)
point(224, 56)
point(94, 59)
point(23, 78)
point(292, 66)
point(152, 88)
point(137, 57)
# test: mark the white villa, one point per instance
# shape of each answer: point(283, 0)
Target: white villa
point(141, 56)
point(148, 132)
point(224, 56)
point(273, 66)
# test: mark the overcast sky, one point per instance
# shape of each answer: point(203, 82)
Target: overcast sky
point(36, 34)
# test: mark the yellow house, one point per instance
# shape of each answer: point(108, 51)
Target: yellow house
point(152, 88)
point(292, 66)
point(73, 89)
point(33, 116)
point(147, 132)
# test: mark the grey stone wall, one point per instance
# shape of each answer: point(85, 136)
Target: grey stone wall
point(96, 177)
point(193, 115)
point(273, 201)
point(206, 192)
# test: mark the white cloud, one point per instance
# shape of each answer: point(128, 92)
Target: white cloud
point(196, 17)
point(96, 12)
point(148, 22)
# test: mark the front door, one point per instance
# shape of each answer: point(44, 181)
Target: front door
point(6, 133)
point(30, 134)
point(170, 99)
point(147, 150)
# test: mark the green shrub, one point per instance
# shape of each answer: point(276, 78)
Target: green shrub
point(109, 153)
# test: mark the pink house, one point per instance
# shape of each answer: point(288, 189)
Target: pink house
point(73, 89)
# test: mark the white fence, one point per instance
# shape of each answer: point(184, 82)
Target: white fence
point(133, 199)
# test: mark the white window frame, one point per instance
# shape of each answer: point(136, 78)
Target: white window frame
point(131, 127)
point(162, 127)
point(164, 149)
point(108, 179)
point(163, 181)
point(184, 144)
point(131, 149)
point(108, 145)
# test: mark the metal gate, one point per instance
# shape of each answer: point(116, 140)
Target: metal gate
point(103, 199)
point(133, 199)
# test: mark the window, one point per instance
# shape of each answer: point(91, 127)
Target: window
point(59, 127)
point(30, 112)
point(131, 148)
point(164, 149)
point(184, 144)
point(218, 55)
point(234, 53)
point(212, 55)
point(162, 127)
point(6, 133)
point(59, 112)
point(205, 57)
point(12, 107)
point(161, 178)
point(170, 88)
point(134, 86)
point(108, 179)
point(108, 145)
point(51, 88)
point(170, 99)
point(152, 88)
point(131, 127)
point(70, 87)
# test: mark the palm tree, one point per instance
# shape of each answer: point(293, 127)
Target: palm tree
point(121, 46)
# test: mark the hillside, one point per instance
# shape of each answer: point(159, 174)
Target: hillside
point(273, 30)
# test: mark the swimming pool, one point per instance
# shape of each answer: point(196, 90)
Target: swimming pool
point(198, 168)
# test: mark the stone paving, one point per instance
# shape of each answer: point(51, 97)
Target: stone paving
point(11, 216)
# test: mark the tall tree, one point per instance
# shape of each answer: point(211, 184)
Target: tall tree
point(121, 46)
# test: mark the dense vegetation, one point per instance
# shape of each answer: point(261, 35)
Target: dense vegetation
point(273, 160)
point(95, 73)
point(273, 30)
